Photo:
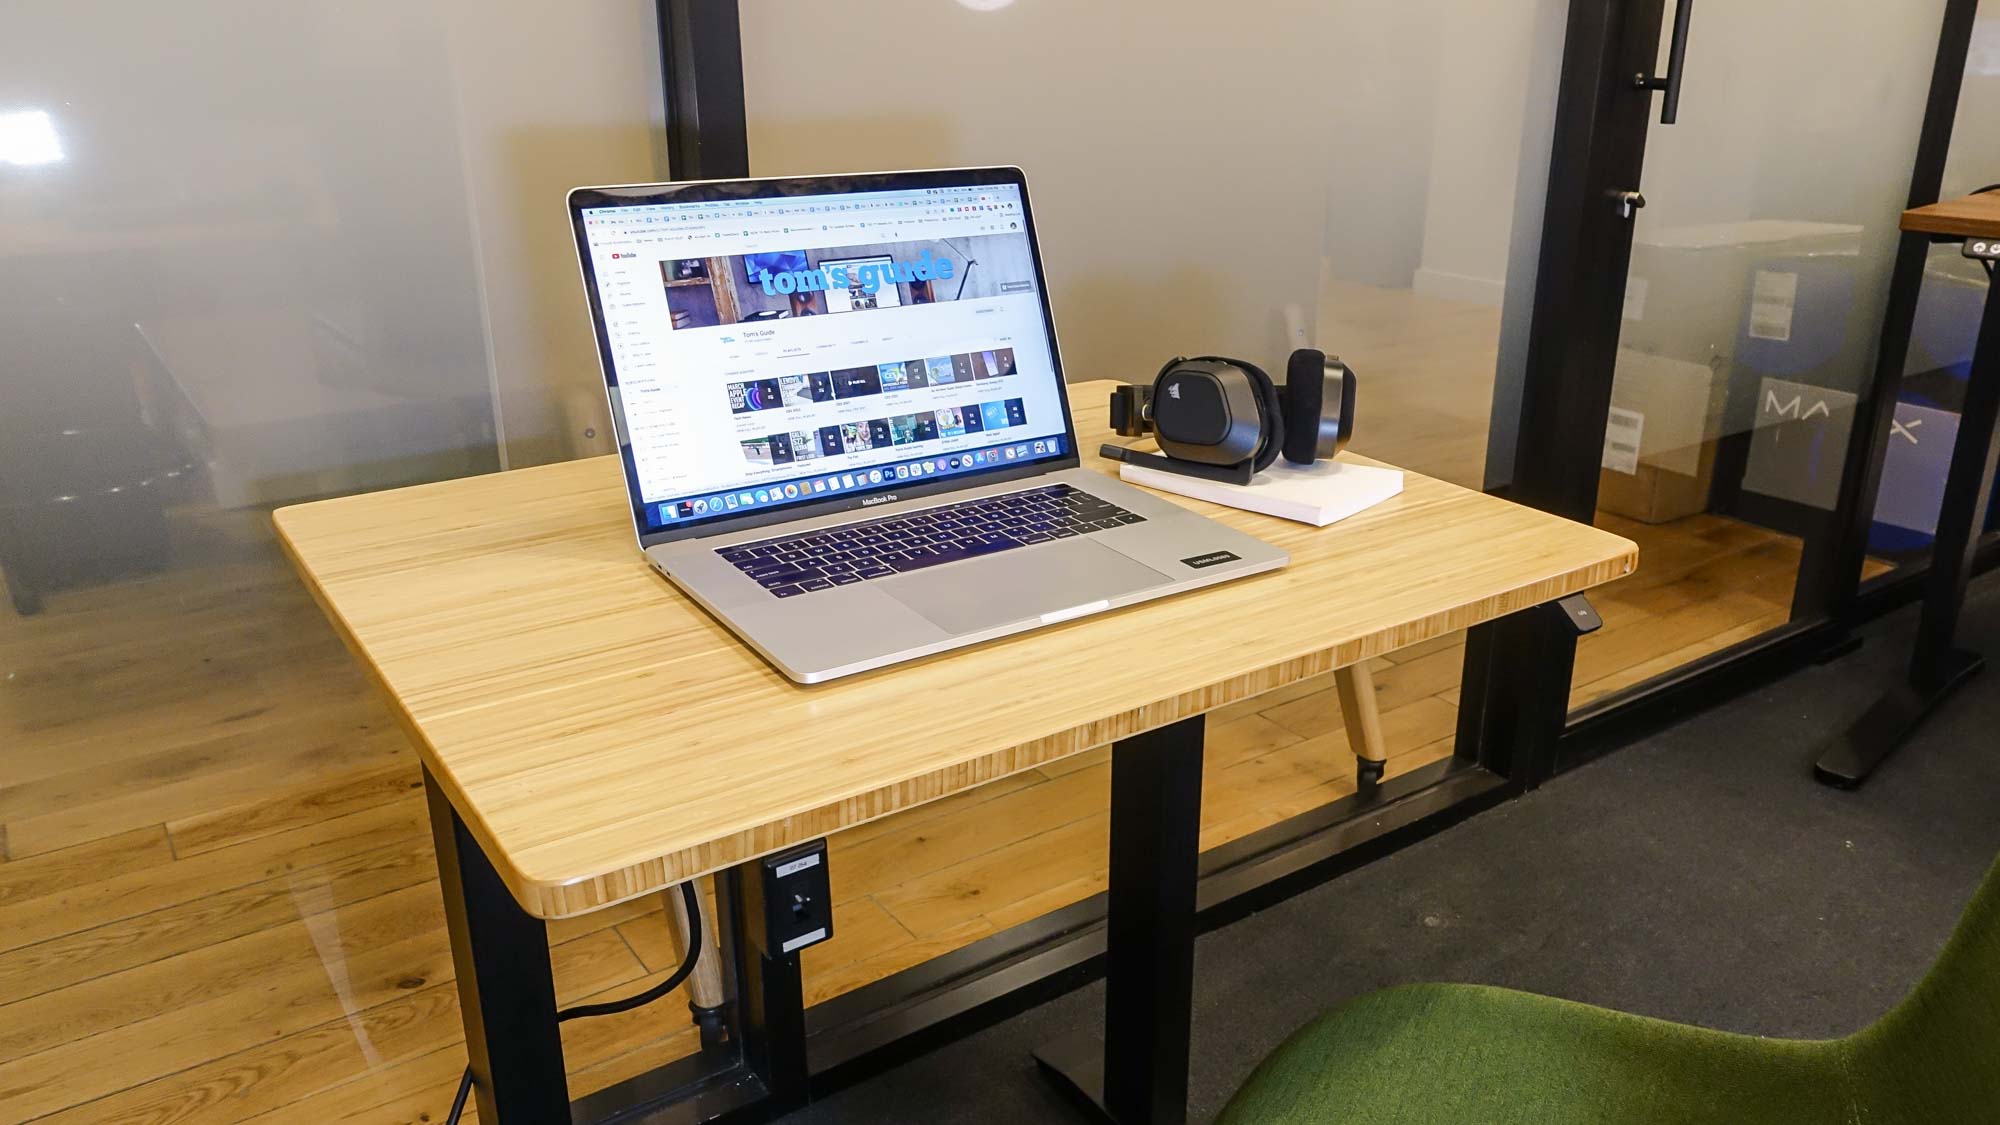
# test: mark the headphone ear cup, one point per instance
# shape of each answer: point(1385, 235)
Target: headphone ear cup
point(1274, 416)
point(1305, 398)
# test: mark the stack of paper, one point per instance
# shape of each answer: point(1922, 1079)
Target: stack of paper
point(1318, 494)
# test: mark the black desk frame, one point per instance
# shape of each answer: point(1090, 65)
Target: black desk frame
point(1937, 667)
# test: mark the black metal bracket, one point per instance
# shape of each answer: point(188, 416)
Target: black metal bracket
point(1578, 614)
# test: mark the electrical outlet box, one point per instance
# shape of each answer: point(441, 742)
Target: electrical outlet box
point(792, 896)
point(1983, 249)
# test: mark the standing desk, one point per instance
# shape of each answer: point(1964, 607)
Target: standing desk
point(1937, 665)
point(589, 736)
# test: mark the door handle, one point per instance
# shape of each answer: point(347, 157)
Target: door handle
point(1677, 51)
point(1627, 202)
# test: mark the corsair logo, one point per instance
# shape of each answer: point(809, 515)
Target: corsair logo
point(1174, 391)
point(882, 499)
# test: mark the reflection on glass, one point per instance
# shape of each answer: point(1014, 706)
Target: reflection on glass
point(28, 137)
point(1949, 308)
point(1375, 216)
point(250, 255)
point(1752, 313)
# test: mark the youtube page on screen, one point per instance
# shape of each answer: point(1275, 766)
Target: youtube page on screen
point(771, 351)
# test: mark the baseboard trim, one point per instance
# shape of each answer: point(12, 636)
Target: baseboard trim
point(1459, 287)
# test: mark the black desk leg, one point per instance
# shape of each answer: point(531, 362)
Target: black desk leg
point(1140, 1073)
point(1937, 668)
point(506, 989)
point(770, 997)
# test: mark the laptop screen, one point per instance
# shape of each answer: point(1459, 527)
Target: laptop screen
point(775, 345)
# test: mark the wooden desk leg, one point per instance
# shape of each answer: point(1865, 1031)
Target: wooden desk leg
point(1356, 685)
point(1139, 1076)
point(506, 987)
point(1937, 668)
point(704, 986)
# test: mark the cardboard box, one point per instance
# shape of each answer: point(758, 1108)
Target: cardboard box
point(1656, 495)
point(1690, 289)
point(1660, 438)
point(1694, 297)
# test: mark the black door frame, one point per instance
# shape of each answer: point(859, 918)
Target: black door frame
point(1602, 124)
point(701, 75)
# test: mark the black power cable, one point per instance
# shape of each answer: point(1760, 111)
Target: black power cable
point(611, 1007)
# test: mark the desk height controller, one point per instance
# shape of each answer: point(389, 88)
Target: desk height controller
point(792, 895)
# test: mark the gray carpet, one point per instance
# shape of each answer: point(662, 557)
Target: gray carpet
point(1700, 875)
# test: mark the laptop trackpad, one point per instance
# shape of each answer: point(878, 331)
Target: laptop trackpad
point(1021, 585)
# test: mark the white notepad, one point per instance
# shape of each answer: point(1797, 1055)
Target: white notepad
point(1318, 494)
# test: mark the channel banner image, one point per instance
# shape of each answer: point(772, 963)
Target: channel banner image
point(782, 284)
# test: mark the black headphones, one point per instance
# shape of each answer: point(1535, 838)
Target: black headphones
point(1223, 419)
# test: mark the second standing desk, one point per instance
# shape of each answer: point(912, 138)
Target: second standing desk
point(590, 736)
point(1938, 666)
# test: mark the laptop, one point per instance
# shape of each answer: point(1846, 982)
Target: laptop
point(842, 417)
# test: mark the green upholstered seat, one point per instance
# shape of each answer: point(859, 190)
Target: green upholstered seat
point(1464, 1054)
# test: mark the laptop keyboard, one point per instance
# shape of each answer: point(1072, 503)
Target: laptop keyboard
point(842, 556)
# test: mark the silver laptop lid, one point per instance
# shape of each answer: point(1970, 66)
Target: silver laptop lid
point(780, 348)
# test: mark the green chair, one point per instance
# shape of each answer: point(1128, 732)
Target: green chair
point(1467, 1054)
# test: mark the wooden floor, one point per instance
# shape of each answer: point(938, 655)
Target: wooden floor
point(217, 893)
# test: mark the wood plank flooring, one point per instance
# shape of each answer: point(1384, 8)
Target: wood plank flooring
point(218, 900)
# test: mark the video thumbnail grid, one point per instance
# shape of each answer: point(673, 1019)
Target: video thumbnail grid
point(797, 446)
point(859, 382)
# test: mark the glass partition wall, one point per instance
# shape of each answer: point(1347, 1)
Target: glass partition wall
point(1760, 268)
point(253, 254)
point(1365, 179)
point(1942, 331)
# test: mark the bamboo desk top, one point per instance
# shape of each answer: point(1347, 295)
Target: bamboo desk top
point(604, 738)
point(1974, 216)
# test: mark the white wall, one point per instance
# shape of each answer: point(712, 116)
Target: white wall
point(548, 97)
point(379, 181)
point(1795, 109)
point(1486, 59)
point(1974, 160)
point(1175, 150)
point(1380, 57)
point(1523, 269)
point(1792, 109)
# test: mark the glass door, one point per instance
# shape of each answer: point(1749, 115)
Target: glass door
point(1752, 308)
point(1937, 319)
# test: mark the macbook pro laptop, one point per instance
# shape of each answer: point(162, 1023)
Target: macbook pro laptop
point(842, 417)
